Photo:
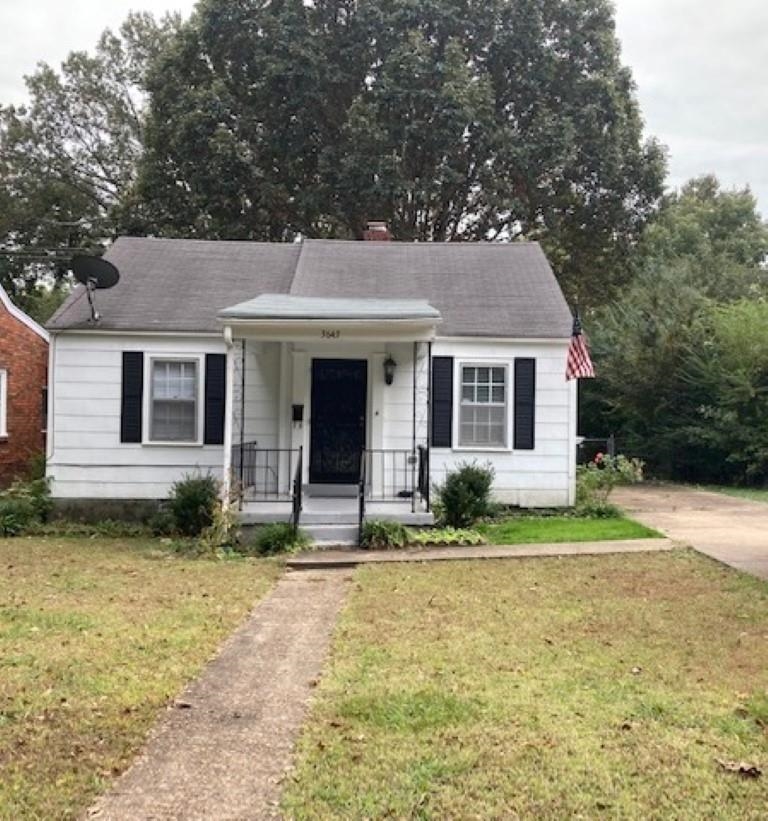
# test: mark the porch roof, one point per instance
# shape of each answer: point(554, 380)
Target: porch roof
point(289, 307)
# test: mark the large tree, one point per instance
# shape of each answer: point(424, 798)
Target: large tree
point(705, 249)
point(451, 119)
point(69, 157)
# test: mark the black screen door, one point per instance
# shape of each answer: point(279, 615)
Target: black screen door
point(337, 437)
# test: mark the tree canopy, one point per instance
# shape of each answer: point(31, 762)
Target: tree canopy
point(450, 119)
point(69, 158)
point(667, 349)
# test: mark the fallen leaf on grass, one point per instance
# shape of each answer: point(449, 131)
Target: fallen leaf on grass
point(742, 768)
point(182, 705)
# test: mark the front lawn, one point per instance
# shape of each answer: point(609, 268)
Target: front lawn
point(538, 530)
point(604, 687)
point(95, 637)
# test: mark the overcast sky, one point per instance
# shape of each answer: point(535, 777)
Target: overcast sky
point(700, 67)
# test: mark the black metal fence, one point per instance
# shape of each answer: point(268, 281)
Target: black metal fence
point(390, 474)
point(264, 473)
point(589, 447)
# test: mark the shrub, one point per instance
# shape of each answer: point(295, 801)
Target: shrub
point(383, 534)
point(279, 537)
point(109, 528)
point(24, 504)
point(465, 495)
point(446, 536)
point(16, 515)
point(596, 480)
point(193, 503)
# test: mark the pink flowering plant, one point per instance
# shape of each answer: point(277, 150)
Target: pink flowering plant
point(596, 480)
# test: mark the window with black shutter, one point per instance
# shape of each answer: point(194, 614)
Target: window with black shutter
point(525, 404)
point(132, 396)
point(442, 402)
point(215, 390)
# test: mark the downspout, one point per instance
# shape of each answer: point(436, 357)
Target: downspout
point(49, 428)
point(413, 435)
point(429, 426)
point(241, 489)
point(226, 485)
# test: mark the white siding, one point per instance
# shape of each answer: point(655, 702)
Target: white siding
point(262, 393)
point(86, 458)
point(530, 478)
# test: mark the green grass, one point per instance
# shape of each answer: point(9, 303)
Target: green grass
point(533, 530)
point(602, 687)
point(95, 637)
point(754, 494)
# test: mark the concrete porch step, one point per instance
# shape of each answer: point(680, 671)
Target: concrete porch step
point(329, 535)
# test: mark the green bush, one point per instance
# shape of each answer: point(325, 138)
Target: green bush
point(24, 504)
point(383, 534)
point(279, 537)
point(596, 480)
point(465, 495)
point(16, 515)
point(446, 536)
point(192, 504)
point(108, 528)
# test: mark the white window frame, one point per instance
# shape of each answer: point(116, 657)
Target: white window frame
point(3, 403)
point(200, 407)
point(457, 400)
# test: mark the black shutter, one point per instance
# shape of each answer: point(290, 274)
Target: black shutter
point(442, 402)
point(131, 401)
point(525, 404)
point(215, 398)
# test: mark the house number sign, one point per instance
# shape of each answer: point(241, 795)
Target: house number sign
point(327, 333)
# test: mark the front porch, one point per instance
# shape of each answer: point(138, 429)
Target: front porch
point(329, 411)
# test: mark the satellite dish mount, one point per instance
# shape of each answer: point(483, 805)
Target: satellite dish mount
point(96, 274)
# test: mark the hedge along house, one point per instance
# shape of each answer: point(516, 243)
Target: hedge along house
point(23, 377)
point(300, 373)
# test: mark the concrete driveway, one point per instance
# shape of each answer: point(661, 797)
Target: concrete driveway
point(733, 531)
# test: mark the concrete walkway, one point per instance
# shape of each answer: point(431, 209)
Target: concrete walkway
point(222, 749)
point(355, 556)
point(733, 531)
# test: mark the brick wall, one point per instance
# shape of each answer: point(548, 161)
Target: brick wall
point(24, 357)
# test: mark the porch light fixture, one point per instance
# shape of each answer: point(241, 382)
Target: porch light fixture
point(389, 370)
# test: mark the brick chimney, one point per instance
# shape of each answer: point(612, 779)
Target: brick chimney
point(377, 231)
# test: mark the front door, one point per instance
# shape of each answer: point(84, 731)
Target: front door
point(337, 433)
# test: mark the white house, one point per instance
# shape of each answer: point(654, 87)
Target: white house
point(299, 373)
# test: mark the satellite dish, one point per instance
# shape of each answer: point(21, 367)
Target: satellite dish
point(96, 274)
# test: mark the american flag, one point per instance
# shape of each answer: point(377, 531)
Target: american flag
point(579, 365)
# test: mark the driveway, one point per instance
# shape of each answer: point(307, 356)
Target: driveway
point(733, 531)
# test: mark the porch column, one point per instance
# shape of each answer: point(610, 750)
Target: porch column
point(229, 412)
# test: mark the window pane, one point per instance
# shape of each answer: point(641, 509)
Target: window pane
point(174, 421)
point(174, 401)
point(483, 412)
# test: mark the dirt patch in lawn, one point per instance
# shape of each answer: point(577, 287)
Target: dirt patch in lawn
point(95, 637)
point(624, 686)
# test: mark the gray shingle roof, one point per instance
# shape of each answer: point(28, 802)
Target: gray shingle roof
point(480, 289)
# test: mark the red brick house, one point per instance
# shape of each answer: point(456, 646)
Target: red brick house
point(23, 380)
